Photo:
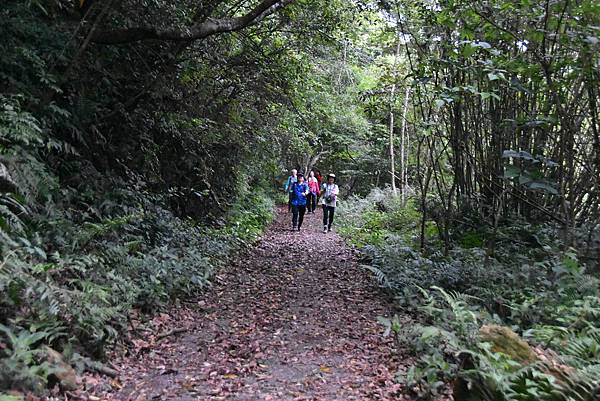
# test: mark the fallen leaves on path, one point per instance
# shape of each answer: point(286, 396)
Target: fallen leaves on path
point(294, 318)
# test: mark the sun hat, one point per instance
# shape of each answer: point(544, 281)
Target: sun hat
point(331, 175)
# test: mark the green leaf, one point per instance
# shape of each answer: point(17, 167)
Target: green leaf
point(524, 179)
point(483, 45)
point(468, 50)
point(429, 332)
point(510, 153)
point(543, 186)
point(511, 171)
point(487, 95)
point(570, 263)
point(593, 40)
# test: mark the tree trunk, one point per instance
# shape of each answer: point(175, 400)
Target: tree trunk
point(404, 147)
point(391, 128)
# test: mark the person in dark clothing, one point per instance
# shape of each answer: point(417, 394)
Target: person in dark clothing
point(319, 177)
point(300, 192)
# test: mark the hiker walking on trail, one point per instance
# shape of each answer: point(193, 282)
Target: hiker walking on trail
point(314, 187)
point(300, 192)
point(292, 179)
point(329, 193)
point(319, 178)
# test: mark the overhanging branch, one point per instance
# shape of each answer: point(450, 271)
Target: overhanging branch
point(210, 26)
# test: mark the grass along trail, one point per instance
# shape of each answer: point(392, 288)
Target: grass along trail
point(294, 318)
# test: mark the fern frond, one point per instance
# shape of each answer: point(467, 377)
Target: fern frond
point(459, 305)
point(381, 277)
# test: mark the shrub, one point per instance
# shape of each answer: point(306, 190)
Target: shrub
point(530, 286)
point(471, 239)
point(79, 284)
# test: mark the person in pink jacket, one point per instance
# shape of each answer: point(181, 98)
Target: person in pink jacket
point(313, 187)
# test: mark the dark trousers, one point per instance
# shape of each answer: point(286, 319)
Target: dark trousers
point(290, 196)
point(328, 212)
point(311, 202)
point(298, 215)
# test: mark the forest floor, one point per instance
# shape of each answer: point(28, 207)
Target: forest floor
point(294, 318)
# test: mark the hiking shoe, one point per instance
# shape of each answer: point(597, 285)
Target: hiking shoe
point(325, 230)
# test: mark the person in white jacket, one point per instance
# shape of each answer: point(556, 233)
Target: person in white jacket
point(329, 193)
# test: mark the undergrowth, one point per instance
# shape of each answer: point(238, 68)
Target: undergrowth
point(519, 325)
point(70, 277)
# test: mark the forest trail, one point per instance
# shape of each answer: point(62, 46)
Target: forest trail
point(279, 324)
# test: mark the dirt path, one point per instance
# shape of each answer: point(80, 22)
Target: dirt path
point(280, 324)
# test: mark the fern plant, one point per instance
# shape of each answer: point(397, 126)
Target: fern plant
point(565, 369)
point(21, 137)
point(21, 365)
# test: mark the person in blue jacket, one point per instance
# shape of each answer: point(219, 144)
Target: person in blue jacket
point(300, 192)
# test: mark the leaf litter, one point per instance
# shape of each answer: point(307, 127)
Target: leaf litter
point(293, 318)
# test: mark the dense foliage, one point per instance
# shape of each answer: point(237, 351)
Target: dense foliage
point(140, 143)
point(130, 172)
point(493, 237)
point(466, 304)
